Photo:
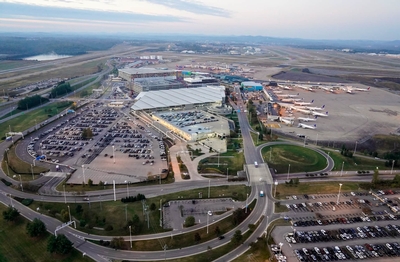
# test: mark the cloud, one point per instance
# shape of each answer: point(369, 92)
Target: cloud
point(191, 6)
point(12, 10)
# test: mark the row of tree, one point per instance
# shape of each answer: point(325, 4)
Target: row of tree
point(138, 197)
point(31, 101)
point(61, 89)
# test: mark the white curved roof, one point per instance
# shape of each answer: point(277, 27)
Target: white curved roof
point(178, 97)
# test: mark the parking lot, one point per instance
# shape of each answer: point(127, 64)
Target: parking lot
point(175, 212)
point(357, 225)
point(117, 143)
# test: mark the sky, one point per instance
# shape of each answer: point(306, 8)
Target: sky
point(308, 19)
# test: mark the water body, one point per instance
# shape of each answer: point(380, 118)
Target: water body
point(46, 57)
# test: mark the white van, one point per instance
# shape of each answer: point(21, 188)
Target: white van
point(256, 164)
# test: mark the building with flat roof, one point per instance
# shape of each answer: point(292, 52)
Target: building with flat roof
point(130, 74)
point(156, 83)
point(251, 86)
point(182, 98)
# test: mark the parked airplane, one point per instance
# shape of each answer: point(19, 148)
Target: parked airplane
point(329, 89)
point(307, 119)
point(307, 126)
point(362, 89)
point(315, 108)
point(305, 88)
point(304, 103)
point(286, 121)
point(291, 100)
point(287, 95)
point(319, 114)
point(286, 87)
point(307, 112)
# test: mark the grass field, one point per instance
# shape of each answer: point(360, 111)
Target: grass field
point(17, 246)
point(11, 64)
point(88, 90)
point(355, 163)
point(301, 159)
point(187, 239)
point(29, 119)
point(101, 214)
point(284, 190)
point(231, 159)
point(46, 72)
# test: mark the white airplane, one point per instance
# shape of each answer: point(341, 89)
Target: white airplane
point(307, 126)
point(315, 108)
point(362, 89)
point(287, 95)
point(286, 87)
point(329, 89)
point(307, 112)
point(319, 114)
point(304, 103)
point(286, 121)
point(307, 119)
point(291, 100)
point(305, 88)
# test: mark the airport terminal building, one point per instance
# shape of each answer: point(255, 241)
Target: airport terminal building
point(130, 74)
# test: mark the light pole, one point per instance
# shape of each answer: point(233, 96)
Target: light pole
point(113, 153)
point(161, 212)
point(246, 203)
point(209, 185)
point(276, 185)
point(341, 172)
point(127, 188)
point(391, 171)
point(258, 134)
point(227, 173)
point(83, 173)
point(355, 148)
point(20, 180)
point(288, 173)
point(65, 197)
point(69, 212)
point(130, 235)
point(305, 139)
point(218, 157)
point(207, 222)
point(270, 154)
point(8, 171)
point(338, 196)
point(33, 176)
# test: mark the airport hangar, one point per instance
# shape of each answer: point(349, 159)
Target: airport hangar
point(164, 107)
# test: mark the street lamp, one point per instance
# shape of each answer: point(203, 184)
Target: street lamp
point(227, 173)
point(288, 173)
point(246, 203)
point(33, 177)
point(20, 180)
point(65, 198)
point(276, 185)
point(127, 188)
point(391, 171)
point(218, 157)
point(83, 173)
point(209, 185)
point(355, 148)
point(161, 212)
point(338, 196)
point(113, 153)
point(8, 171)
point(130, 235)
point(207, 221)
point(341, 172)
point(69, 212)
